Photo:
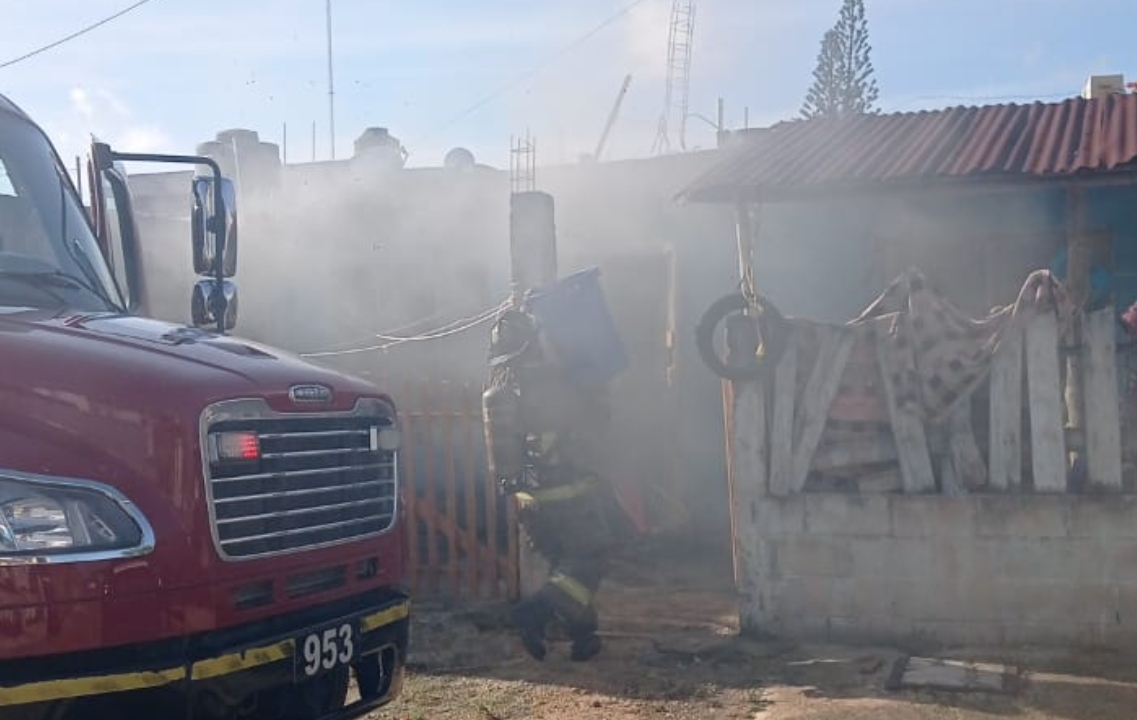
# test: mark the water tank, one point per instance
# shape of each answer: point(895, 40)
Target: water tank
point(459, 159)
point(377, 144)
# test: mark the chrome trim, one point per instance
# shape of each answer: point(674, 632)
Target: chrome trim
point(144, 547)
point(315, 393)
point(258, 409)
point(300, 493)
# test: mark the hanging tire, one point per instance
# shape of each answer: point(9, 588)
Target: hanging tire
point(770, 336)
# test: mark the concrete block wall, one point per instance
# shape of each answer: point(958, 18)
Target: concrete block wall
point(996, 571)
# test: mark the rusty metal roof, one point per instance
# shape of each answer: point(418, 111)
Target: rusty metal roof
point(1014, 143)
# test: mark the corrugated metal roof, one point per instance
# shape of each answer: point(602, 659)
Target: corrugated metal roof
point(1005, 142)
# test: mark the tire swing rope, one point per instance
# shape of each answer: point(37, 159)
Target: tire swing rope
point(763, 346)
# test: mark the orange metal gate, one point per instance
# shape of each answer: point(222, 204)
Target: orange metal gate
point(462, 536)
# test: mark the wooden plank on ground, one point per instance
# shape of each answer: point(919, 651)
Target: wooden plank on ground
point(907, 426)
point(1102, 412)
point(782, 423)
point(820, 389)
point(750, 463)
point(1006, 454)
point(1047, 439)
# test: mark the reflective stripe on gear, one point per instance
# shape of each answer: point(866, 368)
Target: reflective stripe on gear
point(560, 493)
point(573, 588)
point(49, 690)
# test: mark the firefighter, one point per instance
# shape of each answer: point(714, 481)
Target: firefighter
point(546, 438)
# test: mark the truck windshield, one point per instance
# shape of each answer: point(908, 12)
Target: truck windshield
point(49, 258)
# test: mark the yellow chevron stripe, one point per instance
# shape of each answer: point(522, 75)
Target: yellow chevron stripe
point(214, 667)
point(79, 687)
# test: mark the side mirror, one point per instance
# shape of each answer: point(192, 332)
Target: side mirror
point(206, 220)
point(204, 303)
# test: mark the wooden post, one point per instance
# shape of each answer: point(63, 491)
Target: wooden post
point(1006, 456)
point(731, 478)
point(1078, 257)
point(1047, 438)
point(744, 237)
point(751, 455)
point(1102, 416)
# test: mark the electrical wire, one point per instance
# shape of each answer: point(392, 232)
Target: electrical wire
point(450, 329)
point(72, 36)
point(509, 85)
point(447, 329)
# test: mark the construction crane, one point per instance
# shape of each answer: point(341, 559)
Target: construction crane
point(675, 99)
point(612, 117)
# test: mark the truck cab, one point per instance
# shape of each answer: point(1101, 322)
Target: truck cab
point(191, 525)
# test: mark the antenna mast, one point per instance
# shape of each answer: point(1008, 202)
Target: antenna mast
point(675, 99)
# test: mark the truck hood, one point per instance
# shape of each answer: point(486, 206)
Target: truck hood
point(119, 399)
point(165, 357)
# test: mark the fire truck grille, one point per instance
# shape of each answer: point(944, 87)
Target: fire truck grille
point(309, 482)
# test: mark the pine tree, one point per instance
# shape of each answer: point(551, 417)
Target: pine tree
point(843, 82)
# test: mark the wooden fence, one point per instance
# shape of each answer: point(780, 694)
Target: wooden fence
point(1011, 435)
point(462, 536)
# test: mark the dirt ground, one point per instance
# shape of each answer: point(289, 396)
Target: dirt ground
point(672, 651)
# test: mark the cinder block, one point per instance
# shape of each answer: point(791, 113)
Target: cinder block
point(1057, 634)
point(839, 515)
point(1038, 560)
point(867, 630)
point(923, 559)
point(801, 596)
point(813, 556)
point(1047, 602)
point(919, 516)
point(936, 600)
point(779, 517)
point(1108, 517)
point(1022, 516)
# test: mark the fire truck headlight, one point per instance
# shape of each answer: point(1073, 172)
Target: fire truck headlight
point(54, 519)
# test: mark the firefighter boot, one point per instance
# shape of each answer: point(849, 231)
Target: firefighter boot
point(585, 647)
point(531, 617)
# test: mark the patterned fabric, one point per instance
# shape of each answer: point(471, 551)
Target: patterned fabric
point(939, 353)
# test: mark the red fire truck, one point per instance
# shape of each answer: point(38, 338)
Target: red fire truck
point(191, 525)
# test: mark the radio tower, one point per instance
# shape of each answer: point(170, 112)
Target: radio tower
point(678, 76)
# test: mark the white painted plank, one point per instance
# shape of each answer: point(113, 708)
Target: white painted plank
point(1102, 413)
point(907, 427)
point(750, 468)
point(1006, 415)
point(966, 459)
point(820, 389)
point(782, 423)
point(1047, 439)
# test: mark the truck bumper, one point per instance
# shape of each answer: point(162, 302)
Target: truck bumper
point(207, 674)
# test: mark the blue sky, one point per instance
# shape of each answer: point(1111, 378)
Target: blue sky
point(173, 72)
